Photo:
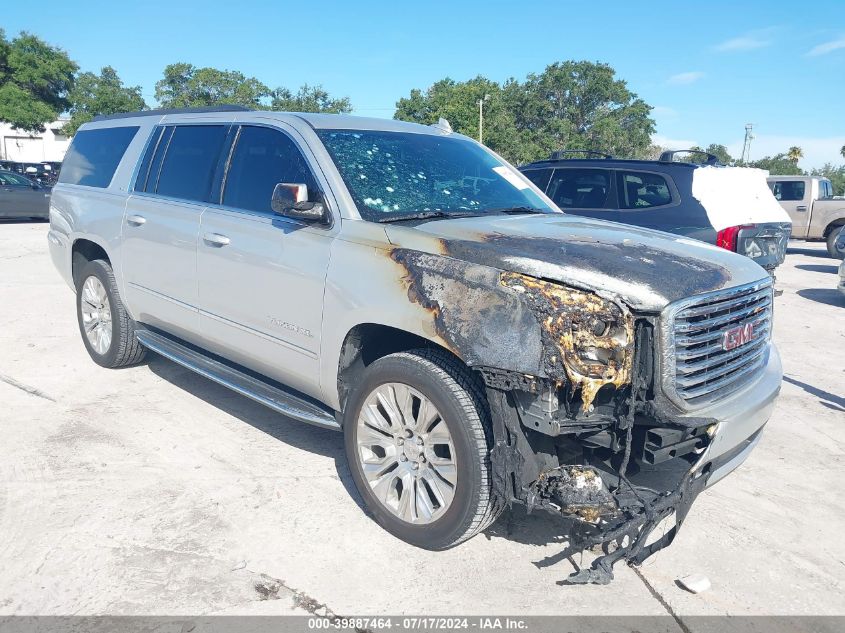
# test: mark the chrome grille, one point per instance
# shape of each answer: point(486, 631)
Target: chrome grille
point(698, 367)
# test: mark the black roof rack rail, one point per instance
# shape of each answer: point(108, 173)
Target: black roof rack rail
point(163, 111)
point(560, 154)
point(669, 156)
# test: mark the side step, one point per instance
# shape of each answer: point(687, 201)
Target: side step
point(275, 397)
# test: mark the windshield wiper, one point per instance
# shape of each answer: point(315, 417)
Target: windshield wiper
point(516, 210)
point(426, 215)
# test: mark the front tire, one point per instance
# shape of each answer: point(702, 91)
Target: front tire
point(418, 444)
point(107, 330)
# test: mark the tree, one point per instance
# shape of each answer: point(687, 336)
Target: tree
point(779, 164)
point(309, 99)
point(795, 154)
point(719, 151)
point(34, 81)
point(842, 151)
point(186, 86)
point(104, 94)
point(570, 105)
point(835, 174)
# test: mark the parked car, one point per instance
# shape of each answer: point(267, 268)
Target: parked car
point(816, 214)
point(725, 206)
point(403, 284)
point(21, 197)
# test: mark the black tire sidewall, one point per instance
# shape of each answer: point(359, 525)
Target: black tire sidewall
point(97, 268)
point(444, 531)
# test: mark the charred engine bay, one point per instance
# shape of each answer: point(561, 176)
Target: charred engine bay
point(569, 377)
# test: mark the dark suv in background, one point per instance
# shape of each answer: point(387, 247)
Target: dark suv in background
point(730, 207)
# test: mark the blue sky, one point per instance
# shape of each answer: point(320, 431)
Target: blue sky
point(707, 67)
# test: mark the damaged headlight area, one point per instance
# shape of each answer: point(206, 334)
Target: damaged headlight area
point(584, 441)
point(588, 340)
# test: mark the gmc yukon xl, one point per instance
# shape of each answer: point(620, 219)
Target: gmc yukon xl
point(405, 285)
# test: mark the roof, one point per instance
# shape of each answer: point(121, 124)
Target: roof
point(316, 121)
point(609, 162)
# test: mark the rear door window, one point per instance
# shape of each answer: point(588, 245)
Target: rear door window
point(189, 162)
point(580, 188)
point(788, 190)
point(539, 177)
point(262, 158)
point(94, 155)
point(642, 190)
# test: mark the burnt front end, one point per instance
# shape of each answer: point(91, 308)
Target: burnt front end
point(611, 419)
point(681, 401)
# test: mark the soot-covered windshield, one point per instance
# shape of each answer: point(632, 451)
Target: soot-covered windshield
point(392, 175)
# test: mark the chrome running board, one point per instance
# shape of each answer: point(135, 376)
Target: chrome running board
point(275, 397)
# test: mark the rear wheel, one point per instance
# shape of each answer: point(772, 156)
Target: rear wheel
point(417, 441)
point(107, 330)
point(832, 241)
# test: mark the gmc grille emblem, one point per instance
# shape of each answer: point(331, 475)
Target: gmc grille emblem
point(736, 336)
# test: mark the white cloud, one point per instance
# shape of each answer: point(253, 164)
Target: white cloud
point(672, 143)
point(664, 112)
point(746, 42)
point(682, 79)
point(827, 47)
point(817, 151)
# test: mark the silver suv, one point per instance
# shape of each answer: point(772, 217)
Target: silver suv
point(404, 284)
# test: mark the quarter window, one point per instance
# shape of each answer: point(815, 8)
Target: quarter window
point(788, 190)
point(580, 188)
point(94, 155)
point(264, 157)
point(642, 190)
point(190, 161)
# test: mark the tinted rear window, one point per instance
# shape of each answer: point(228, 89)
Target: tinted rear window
point(94, 156)
point(190, 162)
point(641, 190)
point(788, 190)
point(580, 188)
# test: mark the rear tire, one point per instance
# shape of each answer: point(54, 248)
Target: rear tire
point(831, 243)
point(410, 453)
point(107, 330)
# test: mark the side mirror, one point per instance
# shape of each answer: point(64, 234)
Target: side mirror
point(290, 200)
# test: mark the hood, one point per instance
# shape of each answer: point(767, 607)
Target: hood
point(646, 269)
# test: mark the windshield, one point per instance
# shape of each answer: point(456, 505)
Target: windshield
point(400, 173)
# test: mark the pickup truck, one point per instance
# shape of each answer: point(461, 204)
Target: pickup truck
point(403, 284)
point(815, 213)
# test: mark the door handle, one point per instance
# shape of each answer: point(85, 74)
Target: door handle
point(135, 220)
point(801, 207)
point(215, 239)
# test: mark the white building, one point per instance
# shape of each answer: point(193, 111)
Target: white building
point(33, 147)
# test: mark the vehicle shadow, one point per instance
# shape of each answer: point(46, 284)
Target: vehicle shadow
point(817, 268)
point(828, 296)
point(829, 400)
point(23, 220)
point(292, 432)
point(810, 252)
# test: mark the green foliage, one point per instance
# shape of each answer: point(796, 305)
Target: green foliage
point(34, 81)
point(309, 99)
point(778, 165)
point(100, 94)
point(186, 86)
point(795, 154)
point(835, 174)
point(570, 105)
point(719, 151)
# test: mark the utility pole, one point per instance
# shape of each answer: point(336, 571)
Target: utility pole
point(481, 118)
point(746, 144)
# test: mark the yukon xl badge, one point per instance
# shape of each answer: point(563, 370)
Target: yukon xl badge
point(737, 336)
